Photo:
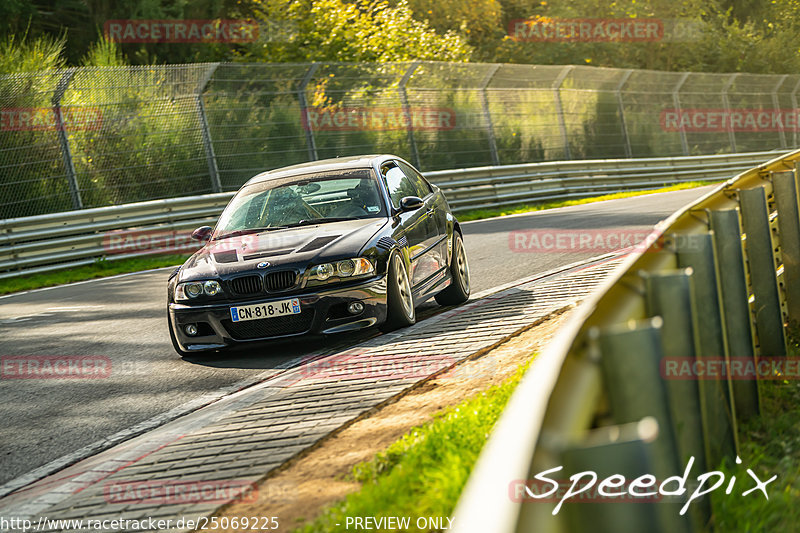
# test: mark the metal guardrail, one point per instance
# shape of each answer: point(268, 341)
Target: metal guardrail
point(54, 241)
point(722, 282)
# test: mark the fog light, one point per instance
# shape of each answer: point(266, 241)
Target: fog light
point(190, 330)
point(355, 308)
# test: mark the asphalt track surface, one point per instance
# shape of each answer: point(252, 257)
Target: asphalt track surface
point(123, 319)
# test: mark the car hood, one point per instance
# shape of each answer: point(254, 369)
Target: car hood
point(293, 247)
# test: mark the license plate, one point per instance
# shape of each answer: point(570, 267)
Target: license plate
point(259, 311)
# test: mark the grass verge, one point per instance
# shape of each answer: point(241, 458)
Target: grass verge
point(108, 268)
point(98, 269)
point(770, 445)
point(423, 473)
point(478, 214)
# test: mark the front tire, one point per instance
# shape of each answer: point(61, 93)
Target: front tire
point(400, 310)
point(458, 291)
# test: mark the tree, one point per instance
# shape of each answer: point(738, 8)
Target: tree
point(335, 30)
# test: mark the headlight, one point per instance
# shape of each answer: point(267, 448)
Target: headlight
point(192, 289)
point(346, 268)
point(324, 271)
point(212, 288)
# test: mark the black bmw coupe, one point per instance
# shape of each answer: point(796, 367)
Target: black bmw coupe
point(319, 248)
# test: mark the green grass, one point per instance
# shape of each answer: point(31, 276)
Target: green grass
point(770, 445)
point(98, 269)
point(109, 268)
point(423, 473)
point(478, 214)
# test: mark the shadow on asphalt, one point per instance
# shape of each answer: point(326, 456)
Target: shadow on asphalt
point(267, 355)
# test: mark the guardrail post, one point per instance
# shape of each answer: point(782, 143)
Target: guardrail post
point(676, 101)
point(63, 139)
point(735, 306)
point(726, 103)
point(785, 188)
point(562, 125)
point(716, 395)
point(669, 296)
point(488, 115)
point(625, 450)
point(208, 146)
point(631, 361)
point(301, 98)
point(761, 259)
point(412, 143)
point(623, 81)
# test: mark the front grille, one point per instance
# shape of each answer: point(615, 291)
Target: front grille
point(280, 281)
point(247, 285)
point(270, 327)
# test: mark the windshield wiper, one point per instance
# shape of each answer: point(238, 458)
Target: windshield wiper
point(248, 231)
point(311, 221)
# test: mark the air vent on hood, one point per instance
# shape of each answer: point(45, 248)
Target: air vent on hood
point(228, 256)
point(317, 243)
point(267, 254)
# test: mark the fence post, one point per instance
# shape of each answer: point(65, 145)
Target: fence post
point(208, 146)
point(623, 81)
point(301, 97)
point(676, 101)
point(61, 130)
point(487, 115)
point(560, 110)
point(794, 106)
point(727, 104)
point(412, 143)
point(776, 105)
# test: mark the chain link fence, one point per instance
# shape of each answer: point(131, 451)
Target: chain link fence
point(98, 136)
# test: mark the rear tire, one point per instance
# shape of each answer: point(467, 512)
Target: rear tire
point(458, 291)
point(400, 310)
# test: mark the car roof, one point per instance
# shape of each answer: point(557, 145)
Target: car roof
point(339, 163)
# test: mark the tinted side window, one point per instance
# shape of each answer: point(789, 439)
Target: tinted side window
point(398, 184)
point(422, 187)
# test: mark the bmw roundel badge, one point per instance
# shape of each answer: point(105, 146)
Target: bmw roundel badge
point(262, 264)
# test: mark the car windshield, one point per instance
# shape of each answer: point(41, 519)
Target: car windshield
point(301, 200)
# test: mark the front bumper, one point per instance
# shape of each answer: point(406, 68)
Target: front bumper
point(322, 312)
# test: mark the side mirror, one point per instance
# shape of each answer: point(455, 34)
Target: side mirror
point(203, 233)
point(410, 203)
